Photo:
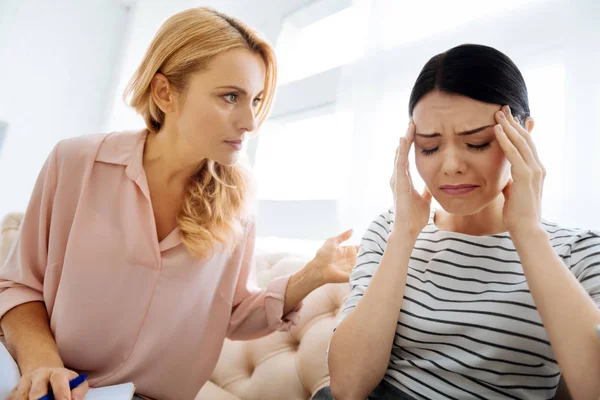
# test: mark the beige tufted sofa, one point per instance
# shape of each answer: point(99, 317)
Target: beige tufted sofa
point(281, 366)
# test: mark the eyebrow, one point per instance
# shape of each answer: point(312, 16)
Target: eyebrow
point(239, 89)
point(464, 133)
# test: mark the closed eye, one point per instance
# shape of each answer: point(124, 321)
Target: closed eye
point(479, 147)
point(474, 147)
point(428, 152)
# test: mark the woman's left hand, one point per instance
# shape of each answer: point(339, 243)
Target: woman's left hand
point(334, 262)
point(523, 193)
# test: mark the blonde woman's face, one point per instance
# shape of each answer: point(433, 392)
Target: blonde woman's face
point(218, 110)
point(456, 152)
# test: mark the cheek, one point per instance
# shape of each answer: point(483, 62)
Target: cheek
point(495, 167)
point(425, 167)
point(202, 116)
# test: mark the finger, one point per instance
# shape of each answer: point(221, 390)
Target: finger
point(509, 149)
point(522, 131)
point(12, 394)
point(22, 392)
point(516, 138)
point(342, 237)
point(79, 392)
point(393, 178)
point(39, 385)
point(410, 136)
point(394, 173)
point(60, 384)
point(506, 190)
point(427, 195)
point(410, 132)
point(402, 180)
point(351, 253)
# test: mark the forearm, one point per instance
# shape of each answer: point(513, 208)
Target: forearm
point(568, 313)
point(28, 337)
point(361, 345)
point(300, 285)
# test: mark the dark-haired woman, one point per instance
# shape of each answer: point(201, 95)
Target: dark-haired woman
point(482, 298)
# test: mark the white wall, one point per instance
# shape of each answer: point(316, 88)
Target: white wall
point(58, 60)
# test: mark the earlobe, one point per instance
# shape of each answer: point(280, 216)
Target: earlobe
point(160, 88)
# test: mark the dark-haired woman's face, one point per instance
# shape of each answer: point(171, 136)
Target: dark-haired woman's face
point(456, 152)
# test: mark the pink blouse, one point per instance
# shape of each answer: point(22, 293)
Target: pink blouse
point(124, 307)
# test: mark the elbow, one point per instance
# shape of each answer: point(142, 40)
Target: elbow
point(345, 384)
point(351, 382)
point(339, 391)
point(343, 389)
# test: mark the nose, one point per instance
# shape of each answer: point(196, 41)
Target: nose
point(453, 163)
point(247, 120)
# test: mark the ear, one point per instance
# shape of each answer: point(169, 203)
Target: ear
point(529, 124)
point(162, 93)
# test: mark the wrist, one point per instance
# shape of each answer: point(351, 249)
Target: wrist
point(43, 362)
point(311, 275)
point(403, 237)
point(528, 233)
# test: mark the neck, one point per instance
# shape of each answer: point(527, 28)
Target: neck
point(487, 221)
point(166, 160)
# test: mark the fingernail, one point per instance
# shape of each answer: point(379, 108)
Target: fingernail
point(501, 115)
point(508, 110)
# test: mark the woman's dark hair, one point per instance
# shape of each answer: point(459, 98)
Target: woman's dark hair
point(479, 72)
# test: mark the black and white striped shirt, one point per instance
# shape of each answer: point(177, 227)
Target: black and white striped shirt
point(468, 328)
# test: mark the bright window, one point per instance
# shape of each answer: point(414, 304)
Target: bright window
point(302, 159)
point(329, 42)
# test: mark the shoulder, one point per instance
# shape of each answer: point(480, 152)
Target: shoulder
point(376, 236)
point(383, 224)
point(70, 153)
point(77, 145)
point(574, 245)
point(573, 237)
point(112, 147)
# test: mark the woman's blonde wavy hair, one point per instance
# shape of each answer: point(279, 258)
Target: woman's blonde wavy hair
point(218, 196)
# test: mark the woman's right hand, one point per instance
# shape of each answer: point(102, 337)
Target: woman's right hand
point(35, 384)
point(412, 209)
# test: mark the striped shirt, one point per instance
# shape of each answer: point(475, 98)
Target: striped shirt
point(468, 327)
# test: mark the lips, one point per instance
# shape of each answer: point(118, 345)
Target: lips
point(458, 189)
point(236, 144)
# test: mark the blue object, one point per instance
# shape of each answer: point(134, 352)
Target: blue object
point(73, 383)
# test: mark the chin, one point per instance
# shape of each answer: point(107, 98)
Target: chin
point(462, 207)
point(227, 160)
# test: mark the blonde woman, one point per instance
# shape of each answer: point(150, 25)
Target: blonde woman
point(133, 259)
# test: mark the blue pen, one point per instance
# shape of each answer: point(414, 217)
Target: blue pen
point(73, 383)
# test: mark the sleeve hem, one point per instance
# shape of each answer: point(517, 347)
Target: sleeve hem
point(274, 304)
